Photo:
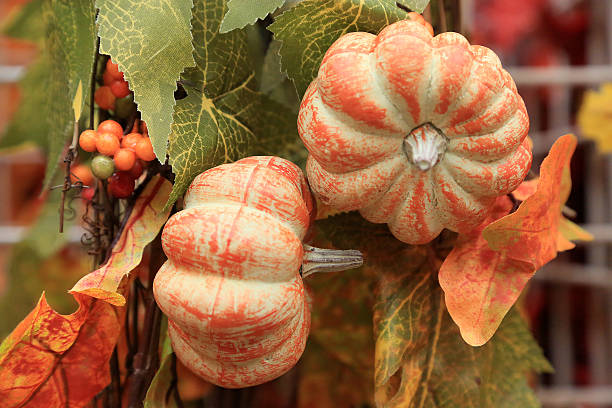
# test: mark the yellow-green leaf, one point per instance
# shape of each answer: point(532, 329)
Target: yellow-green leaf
point(573, 232)
point(308, 29)
point(420, 358)
point(594, 117)
point(415, 5)
point(146, 219)
point(223, 118)
point(151, 42)
point(243, 12)
point(70, 46)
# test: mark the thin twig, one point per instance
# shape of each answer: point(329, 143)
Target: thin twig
point(70, 156)
point(146, 360)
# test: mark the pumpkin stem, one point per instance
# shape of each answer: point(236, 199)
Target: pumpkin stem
point(424, 146)
point(329, 260)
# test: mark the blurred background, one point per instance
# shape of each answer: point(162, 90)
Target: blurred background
point(560, 55)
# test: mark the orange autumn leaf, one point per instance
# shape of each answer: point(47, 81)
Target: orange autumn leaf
point(531, 233)
point(572, 232)
point(488, 268)
point(53, 360)
point(526, 189)
point(143, 225)
point(568, 231)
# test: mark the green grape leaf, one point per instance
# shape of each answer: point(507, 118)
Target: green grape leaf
point(223, 118)
point(274, 82)
point(244, 12)
point(151, 43)
point(70, 46)
point(420, 357)
point(26, 23)
point(308, 29)
point(22, 129)
point(415, 5)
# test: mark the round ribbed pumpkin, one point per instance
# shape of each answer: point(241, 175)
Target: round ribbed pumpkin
point(236, 305)
point(412, 130)
point(232, 285)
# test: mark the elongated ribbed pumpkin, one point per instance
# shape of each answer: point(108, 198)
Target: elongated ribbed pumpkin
point(412, 130)
point(231, 288)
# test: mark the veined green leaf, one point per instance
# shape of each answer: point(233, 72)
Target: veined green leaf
point(243, 12)
point(71, 44)
point(415, 5)
point(420, 357)
point(223, 118)
point(151, 43)
point(308, 29)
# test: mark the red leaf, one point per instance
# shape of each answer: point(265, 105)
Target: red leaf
point(488, 268)
point(146, 219)
point(54, 360)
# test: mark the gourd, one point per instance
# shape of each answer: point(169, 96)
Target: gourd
point(412, 130)
point(237, 309)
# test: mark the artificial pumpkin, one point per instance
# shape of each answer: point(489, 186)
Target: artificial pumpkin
point(412, 130)
point(237, 309)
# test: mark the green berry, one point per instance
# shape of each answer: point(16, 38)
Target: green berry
point(102, 167)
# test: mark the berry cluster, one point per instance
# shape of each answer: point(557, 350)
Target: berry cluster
point(124, 153)
point(115, 87)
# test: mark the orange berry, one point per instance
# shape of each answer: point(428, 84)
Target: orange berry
point(113, 70)
point(112, 127)
point(120, 88)
point(81, 173)
point(87, 194)
point(124, 159)
point(87, 140)
point(107, 144)
point(130, 140)
point(104, 98)
point(144, 149)
point(107, 78)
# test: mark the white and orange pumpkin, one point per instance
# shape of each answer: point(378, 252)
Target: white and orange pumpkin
point(412, 130)
point(237, 309)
